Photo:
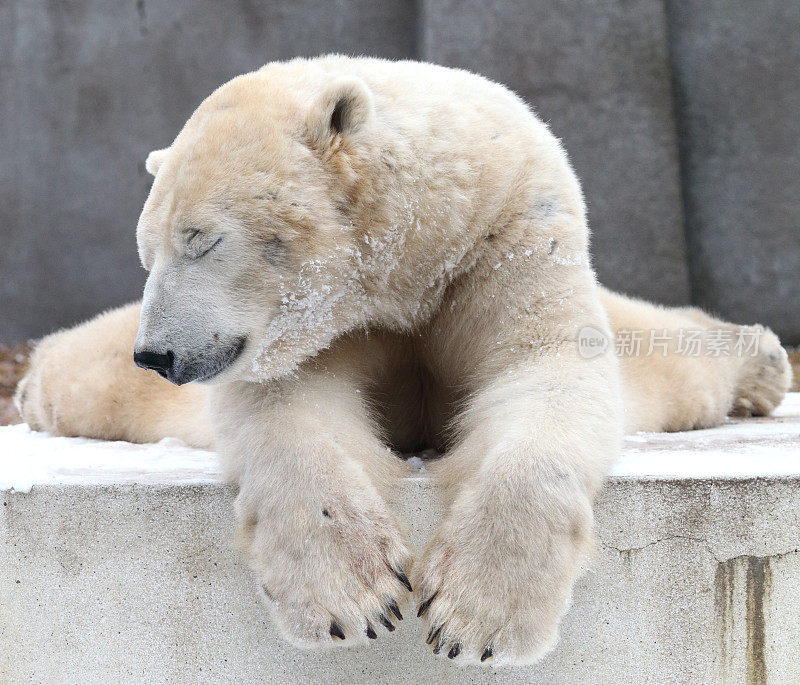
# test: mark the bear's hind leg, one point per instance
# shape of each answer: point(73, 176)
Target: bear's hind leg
point(764, 376)
point(700, 370)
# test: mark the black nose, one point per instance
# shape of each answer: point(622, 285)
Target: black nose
point(162, 363)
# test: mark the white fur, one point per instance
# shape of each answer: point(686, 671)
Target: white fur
point(414, 272)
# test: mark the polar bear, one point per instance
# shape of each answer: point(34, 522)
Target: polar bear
point(360, 258)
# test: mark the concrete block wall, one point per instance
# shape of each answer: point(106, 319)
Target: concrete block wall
point(691, 197)
point(736, 68)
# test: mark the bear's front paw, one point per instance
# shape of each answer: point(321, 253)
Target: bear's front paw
point(494, 593)
point(332, 572)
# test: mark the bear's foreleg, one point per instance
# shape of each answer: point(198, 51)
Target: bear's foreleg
point(536, 442)
point(327, 552)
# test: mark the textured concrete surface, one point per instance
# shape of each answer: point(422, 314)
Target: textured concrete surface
point(736, 66)
point(109, 576)
point(598, 72)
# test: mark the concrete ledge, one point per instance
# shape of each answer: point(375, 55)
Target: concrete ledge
point(118, 567)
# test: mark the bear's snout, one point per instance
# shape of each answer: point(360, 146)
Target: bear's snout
point(184, 366)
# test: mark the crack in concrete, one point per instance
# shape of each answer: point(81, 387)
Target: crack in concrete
point(702, 541)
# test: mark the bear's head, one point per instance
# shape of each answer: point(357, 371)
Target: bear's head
point(249, 231)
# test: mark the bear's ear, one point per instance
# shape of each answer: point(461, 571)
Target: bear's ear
point(344, 108)
point(154, 160)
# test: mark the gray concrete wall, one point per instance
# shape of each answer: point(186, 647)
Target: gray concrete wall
point(87, 88)
point(736, 66)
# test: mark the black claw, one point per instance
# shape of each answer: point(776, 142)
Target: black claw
point(403, 578)
point(438, 647)
point(433, 634)
point(386, 623)
point(487, 654)
point(455, 650)
point(424, 606)
point(395, 610)
point(371, 634)
point(336, 630)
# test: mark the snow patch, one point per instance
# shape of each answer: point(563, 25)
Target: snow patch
point(416, 463)
point(749, 448)
point(31, 458)
point(765, 447)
